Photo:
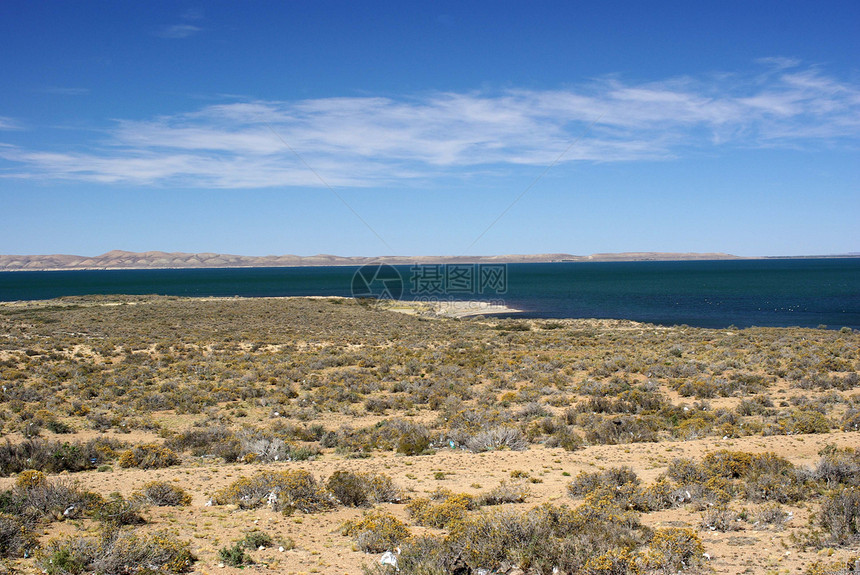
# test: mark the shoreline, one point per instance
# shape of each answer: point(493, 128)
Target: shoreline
point(454, 309)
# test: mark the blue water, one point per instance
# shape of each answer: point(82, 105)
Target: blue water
point(778, 292)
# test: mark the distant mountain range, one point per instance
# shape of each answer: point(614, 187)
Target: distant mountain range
point(118, 259)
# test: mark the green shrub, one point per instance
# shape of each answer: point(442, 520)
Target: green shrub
point(58, 427)
point(235, 556)
point(424, 555)
point(257, 539)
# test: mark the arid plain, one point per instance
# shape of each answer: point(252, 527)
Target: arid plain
point(160, 434)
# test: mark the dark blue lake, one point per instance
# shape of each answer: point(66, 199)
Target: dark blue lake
point(773, 292)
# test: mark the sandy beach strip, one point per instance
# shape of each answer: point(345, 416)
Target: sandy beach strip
point(449, 308)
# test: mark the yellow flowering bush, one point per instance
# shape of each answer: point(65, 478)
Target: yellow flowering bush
point(377, 531)
point(148, 456)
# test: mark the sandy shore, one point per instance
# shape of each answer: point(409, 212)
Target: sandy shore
point(450, 308)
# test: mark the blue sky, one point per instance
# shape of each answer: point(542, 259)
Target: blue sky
point(430, 128)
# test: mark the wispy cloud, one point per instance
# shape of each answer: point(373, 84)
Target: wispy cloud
point(8, 124)
point(361, 141)
point(193, 14)
point(179, 31)
point(66, 91)
point(185, 29)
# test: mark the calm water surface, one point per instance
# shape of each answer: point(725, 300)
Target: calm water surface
point(780, 292)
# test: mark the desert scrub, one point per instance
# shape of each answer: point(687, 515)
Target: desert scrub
point(838, 519)
point(256, 539)
point(164, 494)
point(217, 441)
point(608, 479)
point(235, 556)
point(362, 489)
point(287, 491)
point(513, 492)
point(17, 538)
point(771, 514)
point(38, 499)
point(720, 518)
point(566, 438)
point(501, 437)
point(30, 479)
point(117, 553)
point(118, 511)
point(620, 485)
point(613, 562)
point(149, 456)
point(838, 466)
point(414, 440)
point(543, 538)
point(723, 474)
point(613, 430)
point(674, 549)
point(442, 510)
point(54, 456)
point(376, 531)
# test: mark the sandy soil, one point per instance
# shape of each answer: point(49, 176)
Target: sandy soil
point(320, 548)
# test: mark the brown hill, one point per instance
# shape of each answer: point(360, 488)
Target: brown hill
point(118, 259)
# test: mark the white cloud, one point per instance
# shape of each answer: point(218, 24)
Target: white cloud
point(178, 31)
point(361, 141)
